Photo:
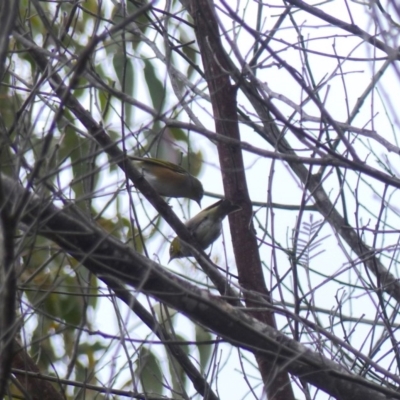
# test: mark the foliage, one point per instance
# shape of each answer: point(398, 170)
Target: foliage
point(314, 254)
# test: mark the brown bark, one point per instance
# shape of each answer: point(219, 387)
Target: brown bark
point(36, 387)
point(223, 99)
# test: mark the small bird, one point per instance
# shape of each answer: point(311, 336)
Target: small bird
point(206, 226)
point(169, 179)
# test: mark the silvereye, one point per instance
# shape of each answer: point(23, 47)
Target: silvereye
point(206, 226)
point(169, 179)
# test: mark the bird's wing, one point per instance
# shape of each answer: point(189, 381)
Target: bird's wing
point(161, 163)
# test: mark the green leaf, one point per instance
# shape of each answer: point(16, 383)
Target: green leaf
point(178, 375)
point(124, 70)
point(149, 372)
point(142, 22)
point(179, 134)
point(41, 347)
point(165, 316)
point(193, 162)
point(135, 237)
point(190, 52)
point(204, 349)
point(104, 100)
point(156, 89)
point(78, 149)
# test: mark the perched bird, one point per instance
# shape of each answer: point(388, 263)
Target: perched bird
point(169, 179)
point(206, 226)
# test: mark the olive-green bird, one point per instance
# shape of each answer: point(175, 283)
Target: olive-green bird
point(206, 227)
point(169, 179)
